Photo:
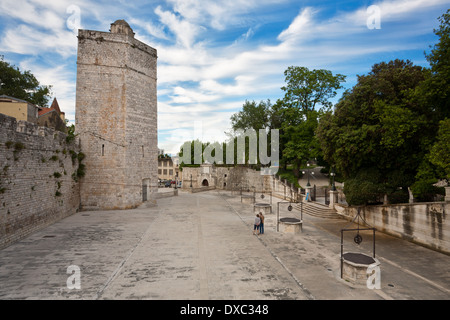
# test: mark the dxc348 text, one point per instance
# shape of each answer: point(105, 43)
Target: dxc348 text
point(247, 309)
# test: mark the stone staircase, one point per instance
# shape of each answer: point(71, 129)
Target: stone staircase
point(317, 210)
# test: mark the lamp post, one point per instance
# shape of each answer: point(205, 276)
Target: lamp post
point(333, 187)
point(308, 173)
point(308, 185)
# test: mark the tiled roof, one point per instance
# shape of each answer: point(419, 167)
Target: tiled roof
point(53, 107)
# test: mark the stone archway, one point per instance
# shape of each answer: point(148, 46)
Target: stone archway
point(205, 183)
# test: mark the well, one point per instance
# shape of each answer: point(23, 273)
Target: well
point(355, 267)
point(290, 225)
point(265, 208)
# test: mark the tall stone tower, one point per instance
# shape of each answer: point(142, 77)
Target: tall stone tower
point(116, 118)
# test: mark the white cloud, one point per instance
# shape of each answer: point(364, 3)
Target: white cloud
point(182, 95)
point(156, 31)
point(298, 27)
point(221, 15)
point(184, 31)
point(26, 40)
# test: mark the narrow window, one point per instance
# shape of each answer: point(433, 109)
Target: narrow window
point(103, 149)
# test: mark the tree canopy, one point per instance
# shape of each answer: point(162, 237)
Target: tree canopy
point(390, 131)
point(377, 128)
point(22, 85)
point(307, 89)
point(253, 116)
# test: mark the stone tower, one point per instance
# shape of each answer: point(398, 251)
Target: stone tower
point(116, 118)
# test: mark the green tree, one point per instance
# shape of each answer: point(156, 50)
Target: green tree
point(435, 91)
point(377, 128)
point(307, 96)
point(433, 96)
point(306, 89)
point(440, 152)
point(22, 85)
point(252, 116)
point(300, 141)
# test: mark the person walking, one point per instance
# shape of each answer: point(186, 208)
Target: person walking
point(261, 224)
point(256, 224)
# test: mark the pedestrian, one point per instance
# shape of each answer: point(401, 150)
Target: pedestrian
point(261, 225)
point(256, 225)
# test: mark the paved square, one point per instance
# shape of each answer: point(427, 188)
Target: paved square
point(200, 246)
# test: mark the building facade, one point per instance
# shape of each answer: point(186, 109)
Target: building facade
point(19, 109)
point(116, 117)
point(168, 169)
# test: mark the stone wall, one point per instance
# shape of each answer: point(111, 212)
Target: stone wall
point(423, 223)
point(38, 178)
point(226, 178)
point(116, 118)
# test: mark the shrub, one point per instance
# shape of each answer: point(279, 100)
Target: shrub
point(424, 191)
point(361, 192)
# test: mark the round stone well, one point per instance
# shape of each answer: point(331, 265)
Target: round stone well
point(265, 208)
point(290, 225)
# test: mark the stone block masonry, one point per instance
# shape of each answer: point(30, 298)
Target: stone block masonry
point(424, 223)
point(38, 178)
point(116, 118)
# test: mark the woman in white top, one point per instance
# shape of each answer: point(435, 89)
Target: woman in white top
point(256, 225)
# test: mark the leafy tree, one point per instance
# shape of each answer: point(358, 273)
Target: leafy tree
point(307, 95)
point(435, 91)
point(364, 187)
point(433, 95)
point(307, 89)
point(301, 143)
point(253, 116)
point(377, 128)
point(22, 85)
point(440, 152)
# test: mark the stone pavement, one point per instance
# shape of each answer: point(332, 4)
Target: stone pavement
point(201, 247)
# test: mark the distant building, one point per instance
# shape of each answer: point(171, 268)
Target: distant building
point(167, 169)
point(52, 117)
point(19, 109)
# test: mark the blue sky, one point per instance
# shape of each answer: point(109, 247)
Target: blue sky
point(214, 55)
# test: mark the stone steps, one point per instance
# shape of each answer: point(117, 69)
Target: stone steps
point(317, 210)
